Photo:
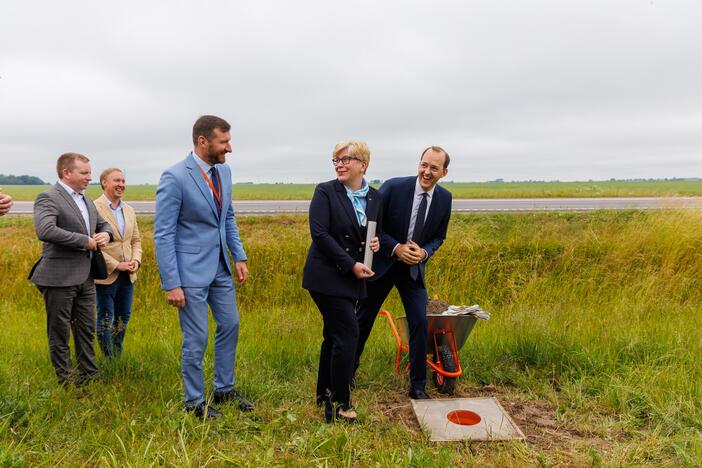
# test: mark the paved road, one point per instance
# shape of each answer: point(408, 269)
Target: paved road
point(472, 205)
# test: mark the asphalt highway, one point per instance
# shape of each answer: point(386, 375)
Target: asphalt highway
point(472, 205)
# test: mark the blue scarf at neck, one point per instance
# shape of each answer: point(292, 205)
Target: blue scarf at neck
point(358, 198)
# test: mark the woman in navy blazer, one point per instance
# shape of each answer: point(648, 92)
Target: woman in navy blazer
point(334, 273)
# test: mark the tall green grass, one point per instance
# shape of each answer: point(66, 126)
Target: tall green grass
point(458, 189)
point(596, 313)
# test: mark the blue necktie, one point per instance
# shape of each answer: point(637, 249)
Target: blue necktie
point(417, 232)
point(214, 177)
point(419, 222)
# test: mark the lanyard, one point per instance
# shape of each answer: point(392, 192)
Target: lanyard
point(215, 192)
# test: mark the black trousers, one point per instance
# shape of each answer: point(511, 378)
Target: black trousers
point(71, 309)
point(336, 356)
point(414, 300)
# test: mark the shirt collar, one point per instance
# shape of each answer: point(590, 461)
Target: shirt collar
point(418, 190)
point(200, 162)
point(70, 190)
point(109, 203)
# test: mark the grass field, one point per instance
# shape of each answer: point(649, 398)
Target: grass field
point(458, 189)
point(594, 348)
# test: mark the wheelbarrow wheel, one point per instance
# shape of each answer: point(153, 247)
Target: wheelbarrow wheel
point(445, 385)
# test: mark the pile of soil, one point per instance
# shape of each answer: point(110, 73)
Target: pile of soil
point(436, 306)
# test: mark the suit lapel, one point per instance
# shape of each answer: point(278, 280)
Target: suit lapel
point(433, 209)
point(196, 175)
point(408, 195)
point(348, 206)
point(371, 207)
point(221, 192)
point(109, 216)
point(70, 202)
point(92, 214)
point(128, 223)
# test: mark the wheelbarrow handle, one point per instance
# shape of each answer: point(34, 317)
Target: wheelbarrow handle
point(400, 346)
point(392, 326)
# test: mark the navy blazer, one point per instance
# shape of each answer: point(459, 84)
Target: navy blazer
point(398, 194)
point(338, 241)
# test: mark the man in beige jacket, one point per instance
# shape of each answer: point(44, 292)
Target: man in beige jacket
point(123, 259)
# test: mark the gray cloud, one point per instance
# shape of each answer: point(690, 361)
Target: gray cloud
point(517, 90)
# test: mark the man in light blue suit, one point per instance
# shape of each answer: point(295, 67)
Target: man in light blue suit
point(193, 225)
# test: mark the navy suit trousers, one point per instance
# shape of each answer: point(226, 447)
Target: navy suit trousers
point(414, 299)
point(338, 348)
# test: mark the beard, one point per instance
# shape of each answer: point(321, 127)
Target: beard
point(216, 157)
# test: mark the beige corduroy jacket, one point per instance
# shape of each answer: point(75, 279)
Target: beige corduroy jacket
point(123, 248)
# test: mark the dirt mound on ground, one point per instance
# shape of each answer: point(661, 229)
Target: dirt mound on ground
point(436, 306)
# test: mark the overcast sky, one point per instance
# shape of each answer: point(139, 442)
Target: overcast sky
point(569, 90)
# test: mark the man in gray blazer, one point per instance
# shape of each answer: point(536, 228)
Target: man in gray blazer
point(70, 228)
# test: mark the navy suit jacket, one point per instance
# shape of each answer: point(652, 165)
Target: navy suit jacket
point(338, 241)
point(398, 194)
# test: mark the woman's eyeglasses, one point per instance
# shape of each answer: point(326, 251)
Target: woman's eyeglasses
point(345, 161)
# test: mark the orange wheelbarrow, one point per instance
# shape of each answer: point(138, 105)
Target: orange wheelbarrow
point(447, 334)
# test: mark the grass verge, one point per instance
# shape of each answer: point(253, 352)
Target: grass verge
point(593, 348)
point(662, 188)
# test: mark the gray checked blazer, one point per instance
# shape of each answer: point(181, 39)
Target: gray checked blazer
point(65, 258)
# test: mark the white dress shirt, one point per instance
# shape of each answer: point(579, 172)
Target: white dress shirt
point(78, 198)
point(416, 200)
point(418, 191)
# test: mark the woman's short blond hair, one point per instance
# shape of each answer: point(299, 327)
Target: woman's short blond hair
point(357, 149)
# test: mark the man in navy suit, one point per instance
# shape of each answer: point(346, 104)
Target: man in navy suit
point(416, 216)
point(194, 225)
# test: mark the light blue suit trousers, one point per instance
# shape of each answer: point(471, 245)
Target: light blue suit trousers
point(221, 298)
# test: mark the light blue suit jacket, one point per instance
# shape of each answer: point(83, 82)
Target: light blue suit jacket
point(189, 237)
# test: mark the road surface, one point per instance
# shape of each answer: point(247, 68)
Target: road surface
point(472, 205)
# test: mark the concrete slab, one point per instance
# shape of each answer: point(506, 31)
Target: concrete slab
point(465, 418)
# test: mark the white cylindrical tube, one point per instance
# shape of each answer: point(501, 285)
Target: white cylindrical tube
point(370, 234)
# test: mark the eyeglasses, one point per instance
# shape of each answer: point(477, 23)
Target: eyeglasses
point(345, 161)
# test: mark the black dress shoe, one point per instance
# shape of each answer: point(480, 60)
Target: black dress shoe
point(233, 395)
point(81, 380)
point(321, 398)
point(419, 395)
point(203, 411)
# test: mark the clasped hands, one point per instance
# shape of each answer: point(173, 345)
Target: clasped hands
point(361, 271)
point(100, 239)
point(131, 267)
point(410, 253)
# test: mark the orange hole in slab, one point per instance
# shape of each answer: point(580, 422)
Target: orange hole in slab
point(464, 417)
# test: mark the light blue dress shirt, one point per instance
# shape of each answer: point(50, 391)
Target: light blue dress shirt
point(118, 214)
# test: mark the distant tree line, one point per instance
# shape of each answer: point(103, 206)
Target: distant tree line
point(20, 180)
